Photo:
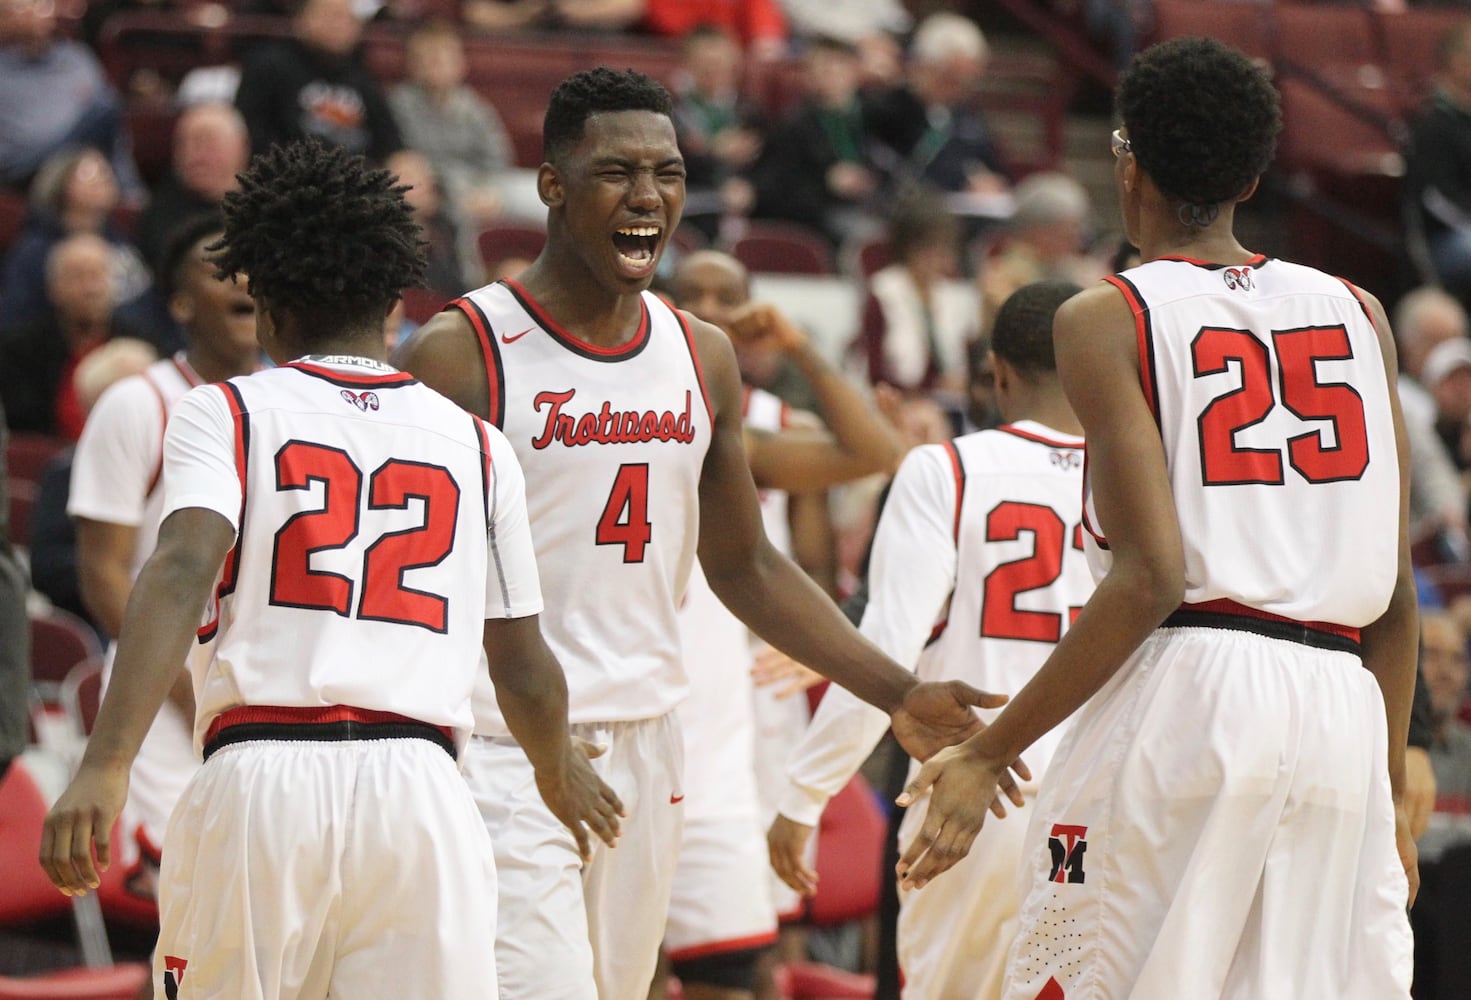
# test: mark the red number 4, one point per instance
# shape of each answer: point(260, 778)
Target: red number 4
point(625, 519)
point(1225, 463)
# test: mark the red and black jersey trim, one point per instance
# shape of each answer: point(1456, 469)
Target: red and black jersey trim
point(1228, 614)
point(1074, 444)
point(240, 415)
point(1257, 260)
point(728, 946)
point(1358, 295)
point(353, 380)
point(1144, 333)
point(631, 348)
point(490, 354)
point(1098, 538)
point(689, 342)
point(327, 723)
point(486, 472)
point(957, 469)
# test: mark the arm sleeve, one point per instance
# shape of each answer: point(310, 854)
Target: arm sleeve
point(910, 578)
point(199, 463)
point(512, 586)
point(119, 455)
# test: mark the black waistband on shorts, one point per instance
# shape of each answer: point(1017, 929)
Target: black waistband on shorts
point(1239, 617)
point(331, 723)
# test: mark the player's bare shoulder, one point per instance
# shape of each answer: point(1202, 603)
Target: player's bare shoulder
point(445, 355)
point(717, 362)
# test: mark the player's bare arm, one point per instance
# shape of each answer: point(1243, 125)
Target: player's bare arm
point(104, 574)
point(532, 692)
point(1098, 365)
point(771, 594)
point(1390, 644)
point(445, 355)
point(857, 440)
point(162, 616)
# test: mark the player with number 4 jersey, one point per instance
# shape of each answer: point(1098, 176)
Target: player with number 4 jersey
point(1225, 818)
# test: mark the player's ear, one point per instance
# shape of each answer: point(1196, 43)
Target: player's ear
point(1250, 190)
point(181, 308)
point(549, 186)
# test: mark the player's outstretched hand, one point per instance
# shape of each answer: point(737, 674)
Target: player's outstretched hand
point(581, 799)
point(963, 787)
point(786, 844)
point(82, 817)
point(775, 667)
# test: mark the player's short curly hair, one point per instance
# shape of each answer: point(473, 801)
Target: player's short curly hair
point(1201, 117)
point(321, 236)
point(1022, 335)
point(179, 250)
point(592, 92)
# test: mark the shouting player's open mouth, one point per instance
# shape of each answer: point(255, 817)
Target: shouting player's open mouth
point(637, 250)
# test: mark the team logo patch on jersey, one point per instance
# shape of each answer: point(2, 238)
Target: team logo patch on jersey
point(366, 400)
point(1068, 844)
point(173, 975)
point(1066, 460)
point(1237, 278)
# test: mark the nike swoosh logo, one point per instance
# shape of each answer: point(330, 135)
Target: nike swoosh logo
point(675, 800)
point(512, 340)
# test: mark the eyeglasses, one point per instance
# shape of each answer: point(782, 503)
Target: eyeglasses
point(1120, 145)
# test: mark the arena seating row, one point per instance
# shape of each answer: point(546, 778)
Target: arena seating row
point(516, 73)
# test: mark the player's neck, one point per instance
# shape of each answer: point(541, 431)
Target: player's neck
point(210, 366)
point(575, 301)
point(1046, 408)
point(1164, 233)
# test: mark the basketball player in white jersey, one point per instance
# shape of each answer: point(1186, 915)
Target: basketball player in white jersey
point(723, 912)
point(627, 418)
point(117, 495)
point(976, 571)
point(361, 535)
point(1222, 818)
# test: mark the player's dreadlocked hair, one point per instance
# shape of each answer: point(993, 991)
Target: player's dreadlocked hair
point(1022, 335)
point(592, 92)
point(322, 237)
point(1202, 119)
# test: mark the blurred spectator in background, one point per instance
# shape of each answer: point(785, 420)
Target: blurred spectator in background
point(53, 546)
point(1438, 166)
point(462, 136)
point(75, 192)
point(1443, 662)
point(211, 146)
point(1045, 239)
point(1447, 376)
point(928, 128)
point(918, 318)
point(718, 133)
point(37, 361)
point(454, 261)
point(313, 84)
point(815, 168)
point(53, 95)
point(15, 647)
point(1423, 320)
point(758, 24)
point(872, 27)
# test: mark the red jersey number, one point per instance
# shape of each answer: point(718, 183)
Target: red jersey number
point(1225, 463)
point(625, 518)
point(1000, 617)
point(383, 596)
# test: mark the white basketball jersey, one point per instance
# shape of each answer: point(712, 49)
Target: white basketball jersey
point(977, 571)
point(1268, 385)
point(612, 441)
point(379, 526)
point(767, 412)
point(118, 465)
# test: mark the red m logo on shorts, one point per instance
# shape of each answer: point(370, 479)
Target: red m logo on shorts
point(173, 975)
point(1068, 845)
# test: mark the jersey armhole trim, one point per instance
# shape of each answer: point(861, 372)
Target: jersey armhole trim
point(163, 415)
point(240, 415)
point(1358, 295)
point(689, 340)
point(957, 469)
point(486, 473)
point(490, 356)
point(1144, 335)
